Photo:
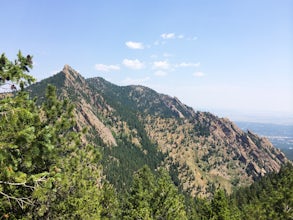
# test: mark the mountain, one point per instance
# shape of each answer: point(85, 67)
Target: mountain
point(135, 125)
point(280, 135)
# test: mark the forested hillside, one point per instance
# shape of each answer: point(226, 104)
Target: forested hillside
point(200, 150)
point(72, 148)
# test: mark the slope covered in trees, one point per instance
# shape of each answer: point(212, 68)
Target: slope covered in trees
point(200, 150)
point(49, 169)
point(270, 197)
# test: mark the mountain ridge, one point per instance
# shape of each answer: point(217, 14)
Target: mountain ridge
point(135, 125)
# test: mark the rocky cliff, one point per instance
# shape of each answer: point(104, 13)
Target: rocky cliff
point(135, 125)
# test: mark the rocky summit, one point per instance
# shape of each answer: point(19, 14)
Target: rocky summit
point(135, 125)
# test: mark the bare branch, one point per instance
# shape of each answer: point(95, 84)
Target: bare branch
point(20, 201)
point(16, 184)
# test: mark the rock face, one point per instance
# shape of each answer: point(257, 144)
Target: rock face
point(213, 151)
point(135, 125)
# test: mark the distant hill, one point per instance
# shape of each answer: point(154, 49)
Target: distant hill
point(135, 125)
point(281, 136)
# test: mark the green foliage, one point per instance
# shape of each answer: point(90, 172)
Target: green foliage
point(123, 100)
point(202, 124)
point(174, 173)
point(138, 204)
point(197, 208)
point(136, 99)
point(167, 202)
point(16, 72)
point(120, 171)
point(45, 170)
point(153, 198)
point(271, 197)
point(109, 202)
point(219, 205)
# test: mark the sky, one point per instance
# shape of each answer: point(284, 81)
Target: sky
point(232, 58)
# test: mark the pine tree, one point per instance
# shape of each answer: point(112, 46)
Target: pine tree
point(45, 170)
point(15, 73)
point(167, 203)
point(153, 198)
point(219, 206)
point(138, 203)
point(270, 197)
point(19, 120)
point(109, 202)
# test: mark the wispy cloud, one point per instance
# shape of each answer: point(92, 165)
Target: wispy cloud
point(192, 38)
point(198, 74)
point(181, 36)
point(131, 81)
point(134, 45)
point(161, 65)
point(168, 36)
point(106, 68)
point(161, 73)
point(133, 64)
point(167, 55)
point(184, 64)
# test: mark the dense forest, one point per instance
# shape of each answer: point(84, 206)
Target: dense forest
point(48, 172)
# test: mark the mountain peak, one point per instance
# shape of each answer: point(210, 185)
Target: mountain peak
point(135, 123)
point(72, 77)
point(66, 67)
point(68, 70)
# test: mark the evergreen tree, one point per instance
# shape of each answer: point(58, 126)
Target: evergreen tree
point(219, 205)
point(198, 208)
point(153, 198)
point(109, 203)
point(45, 171)
point(16, 73)
point(138, 203)
point(270, 197)
point(19, 120)
point(167, 203)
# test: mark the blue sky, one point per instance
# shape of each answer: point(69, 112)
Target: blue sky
point(228, 57)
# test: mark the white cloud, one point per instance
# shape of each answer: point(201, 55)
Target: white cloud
point(131, 81)
point(168, 36)
point(184, 64)
point(134, 45)
point(161, 65)
point(160, 73)
point(181, 36)
point(198, 74)
point(192, 38)
point(106, 68)
point(133, 64)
